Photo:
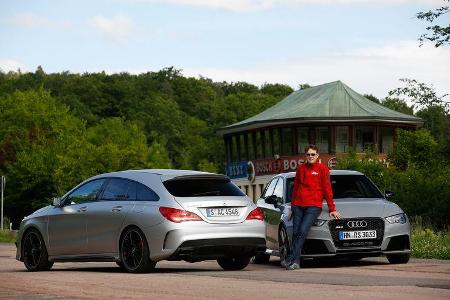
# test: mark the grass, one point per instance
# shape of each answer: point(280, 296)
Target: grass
point(7, 236)
point(429, 243)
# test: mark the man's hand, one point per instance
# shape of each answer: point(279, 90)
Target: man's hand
point(335, 214)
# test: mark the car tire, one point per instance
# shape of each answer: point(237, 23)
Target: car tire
point(233, 263)
point(134, 252)
point(261, 259)
point(284, 247)
point(34, 252)
point(398, 258)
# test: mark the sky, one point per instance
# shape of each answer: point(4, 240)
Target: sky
point(367, 44)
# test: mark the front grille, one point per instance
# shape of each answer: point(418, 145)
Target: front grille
point(343, 225)
point(400, 242)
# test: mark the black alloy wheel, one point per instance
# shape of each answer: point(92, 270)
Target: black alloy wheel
point(35, 256)
point(233, 263)
point(134, 252)
point(283, 244)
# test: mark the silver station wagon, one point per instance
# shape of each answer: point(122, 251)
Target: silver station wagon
point(370, 225)
point(139, 217)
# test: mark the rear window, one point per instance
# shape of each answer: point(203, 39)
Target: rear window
point(202, 186)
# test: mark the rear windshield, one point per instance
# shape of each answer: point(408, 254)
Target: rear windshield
point(346, 186)
point(194, 186)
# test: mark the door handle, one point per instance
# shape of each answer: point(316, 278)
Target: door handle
point(116, 208)
point(82, 209)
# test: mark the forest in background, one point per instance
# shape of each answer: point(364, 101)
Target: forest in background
point(58, 129)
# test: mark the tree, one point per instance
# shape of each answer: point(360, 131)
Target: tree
point(397, 105)
point(420, 94)
point(372, 98)
point(440, 35)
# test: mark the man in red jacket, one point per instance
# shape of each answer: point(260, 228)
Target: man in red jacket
point(311, 186)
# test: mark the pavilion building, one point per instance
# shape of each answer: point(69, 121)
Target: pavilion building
point(331, 116)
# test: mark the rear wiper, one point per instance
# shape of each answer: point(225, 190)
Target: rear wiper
point(212, 193)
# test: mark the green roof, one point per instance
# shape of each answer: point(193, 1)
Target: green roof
point(330, 102)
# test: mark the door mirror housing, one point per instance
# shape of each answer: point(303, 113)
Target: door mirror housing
point(56, 201)
point(389, 194)
point(272, 199)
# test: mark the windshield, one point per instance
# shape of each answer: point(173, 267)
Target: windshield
point(202, 186)
point(346, 186)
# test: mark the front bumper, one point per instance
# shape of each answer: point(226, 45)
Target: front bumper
point(322, 241)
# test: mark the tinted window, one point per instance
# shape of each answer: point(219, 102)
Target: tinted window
point(198, 186)
point(278, 191)
point(119, 189)
point(289, 187)
point(353, 186)
point(85, 193)
point(270, 188)
point(145, 194)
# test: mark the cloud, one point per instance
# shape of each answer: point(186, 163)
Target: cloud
point(27, 20)
point(369, 70)
point(254, 5)
point(11, 65)
point(117, 28)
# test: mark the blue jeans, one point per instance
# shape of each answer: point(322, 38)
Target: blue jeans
point(303, 218)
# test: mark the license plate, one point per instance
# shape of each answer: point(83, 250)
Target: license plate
point(222, 212)
point(357, 235)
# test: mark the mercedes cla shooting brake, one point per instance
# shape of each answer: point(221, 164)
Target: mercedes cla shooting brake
point(370, 225)
point(139, 217)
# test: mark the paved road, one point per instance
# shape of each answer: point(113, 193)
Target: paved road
point(365, 279)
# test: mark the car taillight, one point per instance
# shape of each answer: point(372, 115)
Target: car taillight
point(256, 214)
point(178, 215)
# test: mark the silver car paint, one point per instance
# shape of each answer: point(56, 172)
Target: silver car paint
point(348, 207)
point(93, 229)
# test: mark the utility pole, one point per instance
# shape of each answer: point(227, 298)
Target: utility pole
point(3, 183)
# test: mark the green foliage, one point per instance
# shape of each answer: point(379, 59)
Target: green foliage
point(58, 129)
point(438, 34)
point(429, 243)
point(7, 236)
point(398, 105)
point(372, 98)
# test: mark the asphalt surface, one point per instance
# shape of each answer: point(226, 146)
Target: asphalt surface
point(364, 279)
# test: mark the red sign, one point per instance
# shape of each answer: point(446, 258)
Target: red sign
point(287, 164)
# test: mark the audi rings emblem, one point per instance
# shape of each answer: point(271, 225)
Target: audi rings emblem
point(357, 224)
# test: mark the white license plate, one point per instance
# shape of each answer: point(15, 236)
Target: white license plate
point(222, 212)
point(357, 235)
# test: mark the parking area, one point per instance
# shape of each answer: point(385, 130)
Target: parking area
point(364, 279)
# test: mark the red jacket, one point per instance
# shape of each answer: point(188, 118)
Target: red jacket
point(312, 185)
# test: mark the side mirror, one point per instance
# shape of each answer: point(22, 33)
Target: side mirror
point(389, 194)
point(272, 199)
point(56, 201)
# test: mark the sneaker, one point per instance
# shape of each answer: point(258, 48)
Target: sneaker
point(293, 266)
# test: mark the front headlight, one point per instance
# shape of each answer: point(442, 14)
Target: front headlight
point(319, 222)
point(400, 219)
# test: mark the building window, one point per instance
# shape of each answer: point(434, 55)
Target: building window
point(341, 138)
point(302, 139)
point(322, 139)
point(364, 138)
point(386, 139)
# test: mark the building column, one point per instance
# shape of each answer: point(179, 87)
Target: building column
point(332, 139)
point(255, 152)
point(263, 143)
point(247, 155)
point(272, 145)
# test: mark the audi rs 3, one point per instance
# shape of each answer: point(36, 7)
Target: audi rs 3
point(371, 225)
point(139, 217)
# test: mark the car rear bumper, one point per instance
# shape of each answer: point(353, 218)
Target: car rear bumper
point(197, 250)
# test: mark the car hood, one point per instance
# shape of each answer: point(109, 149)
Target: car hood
point(362, 207)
